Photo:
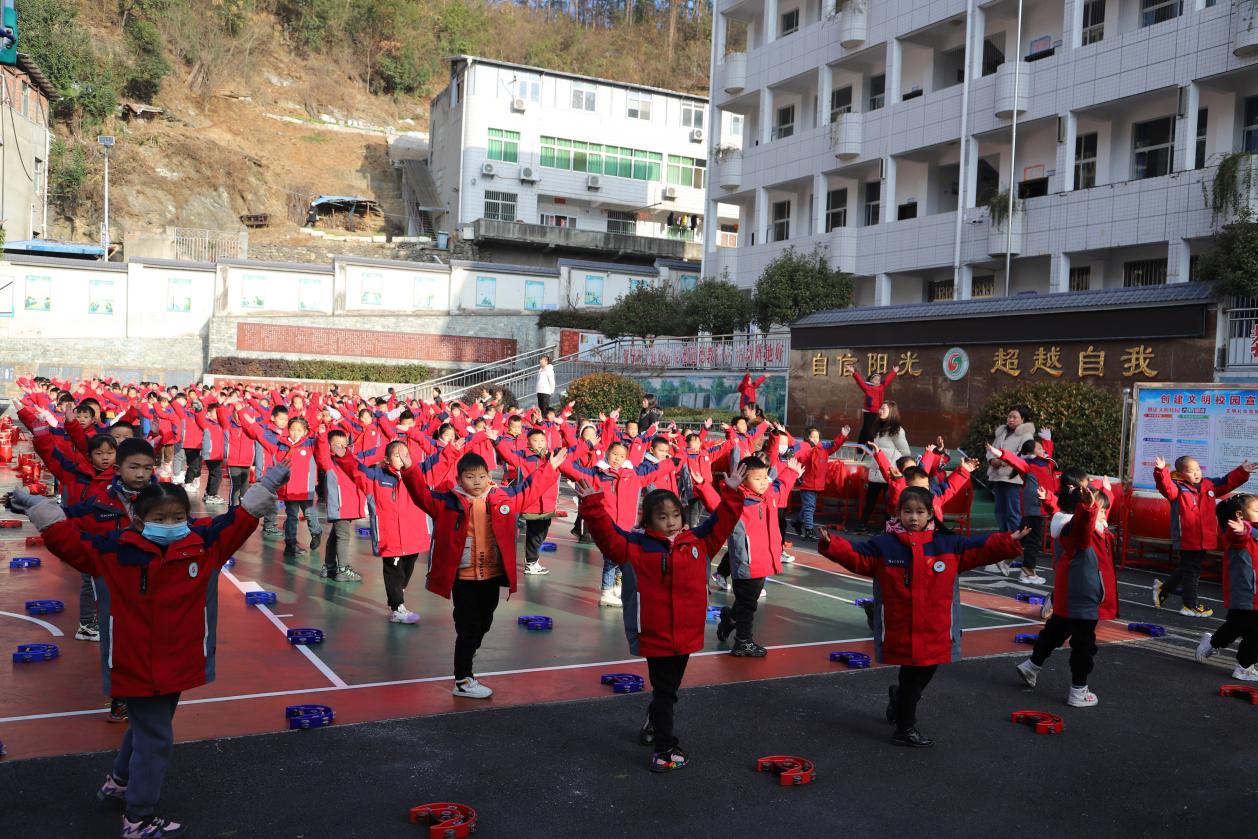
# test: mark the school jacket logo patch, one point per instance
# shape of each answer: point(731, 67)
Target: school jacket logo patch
point(192, 569)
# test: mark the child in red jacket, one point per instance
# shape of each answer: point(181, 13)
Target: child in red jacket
point(298, 495)
point(1034, 464)
point(917, 597)
point(665, 571)
point(1194, 531)
point(755, 547)
point(816, 460)
point(473, 556)
point(1238, 522)
point(161, 576)
point(538, 515)
point(1085, 590)
point(345, 505)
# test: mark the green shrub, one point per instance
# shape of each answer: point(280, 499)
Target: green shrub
point(796, 285)
point(149, 65)
point(602, 393)
point(1086, 422)
point(584, 319)
point(344, 371)
point(647, 310)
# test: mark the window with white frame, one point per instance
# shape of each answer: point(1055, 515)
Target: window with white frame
point(685, 171)
point(736, 125)
point(558, 220)
point(1153, 12)
point(1250, 141)
point(727, 236)
point(622, 222)
point(584, 96)
point(500, 206)
point(504, 145)
point(1153, 147)
point(877, 91)
point(785, 125)
point(528, 86)
point(873, 203)
point(692, 115)
point(836, 209)
point(790, 22)
point(840, 102)
point(1093, 21)
point(781, 230)
point(1144, 272)
point(639, 105)
point(1085, 161)
point(1081, 278)
point(1199, 153)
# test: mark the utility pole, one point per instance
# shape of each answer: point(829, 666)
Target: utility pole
point(106, 142)
point(1013, 149)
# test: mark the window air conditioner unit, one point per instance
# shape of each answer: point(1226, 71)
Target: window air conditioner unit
point(518, 105)
point(527, 174)
point(670, 192)
point(696, 135)
point(487, 169)
point(593, 182)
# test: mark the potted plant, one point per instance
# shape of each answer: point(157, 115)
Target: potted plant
point(998, 208)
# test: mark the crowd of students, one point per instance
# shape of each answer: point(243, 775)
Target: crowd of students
point(128, 460)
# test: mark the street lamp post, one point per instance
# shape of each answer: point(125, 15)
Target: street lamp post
point(106, 142)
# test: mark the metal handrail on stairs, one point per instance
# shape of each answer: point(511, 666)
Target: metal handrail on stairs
point(454, 385)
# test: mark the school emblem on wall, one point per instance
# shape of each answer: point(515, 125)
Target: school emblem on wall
point(956, 364)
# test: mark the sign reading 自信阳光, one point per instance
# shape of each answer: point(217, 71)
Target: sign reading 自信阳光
point(1217, 425)
point(1132, 361)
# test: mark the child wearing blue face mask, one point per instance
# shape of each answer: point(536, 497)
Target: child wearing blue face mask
point(159, 573)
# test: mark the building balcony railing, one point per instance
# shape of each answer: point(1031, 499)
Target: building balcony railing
point(1240, 350)
point(730, 170)
point(847, 135)
point(574, 239)
point(1008, 237)
point(1245, 31)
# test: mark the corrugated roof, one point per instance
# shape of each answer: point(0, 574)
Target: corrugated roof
point(28, 66)
point(614, 267)
point(680, 264)
point(1108, 298)
point(342, 199)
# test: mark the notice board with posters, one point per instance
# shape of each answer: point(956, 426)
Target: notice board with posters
point(1216, 424)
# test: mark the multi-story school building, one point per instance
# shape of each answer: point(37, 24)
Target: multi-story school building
point(888, 132)
point(530, 164)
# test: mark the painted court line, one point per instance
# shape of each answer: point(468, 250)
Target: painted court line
point(320, 664)
point(45, 624)
point(430, 679)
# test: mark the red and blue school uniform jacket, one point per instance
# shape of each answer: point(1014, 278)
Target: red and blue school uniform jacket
point(239, 448)
point(189, 432)
point(755, 546)
point(363, 438)
point(1193, 522)
point(74, 473)
point(638, 445)
point(917, 590)
point(665, 581)
point(1085, 585)
point(747, 390)
point(524, 464)
point(516, 444)
point(344, 497)
point(398, 526)
point(943, 492)
point(698, 464)
point(448, 507)
point(158, 606)
point(214, 438)
point(817, 462)
point(736, 445)
point(875, 395)
point(1037, 473)
point(664, 479)
point(303, 475)
point(105, 506)
point(621, 488)
point(1240, 551)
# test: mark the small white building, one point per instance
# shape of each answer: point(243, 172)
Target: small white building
point(25, 141)
point(533, 165)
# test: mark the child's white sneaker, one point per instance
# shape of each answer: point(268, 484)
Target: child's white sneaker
point(403, 615)
point(1246, 674)
point(764, 592)
point(469, 688)
point(993, 569)
point(720, 583)
point(1204, 648)
point(787, 559)
point(1081, 697)
point(1003, 568)
point(1046, 609)
point(1032, 579)
point(1030, 672)
point(535, 568)
point(609, 598)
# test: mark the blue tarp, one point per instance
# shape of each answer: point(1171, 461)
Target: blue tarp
point(341, 199)
point(54, 248)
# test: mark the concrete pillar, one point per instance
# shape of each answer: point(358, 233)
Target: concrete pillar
point(1065, 178)
point(711, 230)
point(1186, 129)
point(895, 59)
point(882, 290)
point(824, 77)
point(820, 186)
point(770, 21)
point(766, 115)
point(1177, 260)
point(719, 28)
point(963, 282)
point(1072, 24)
point(761, 222)
point(976, 54)
point(888, 190)
point(1059, 273)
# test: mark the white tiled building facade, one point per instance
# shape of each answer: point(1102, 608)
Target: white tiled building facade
point(512, 143)
point(854, 114)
